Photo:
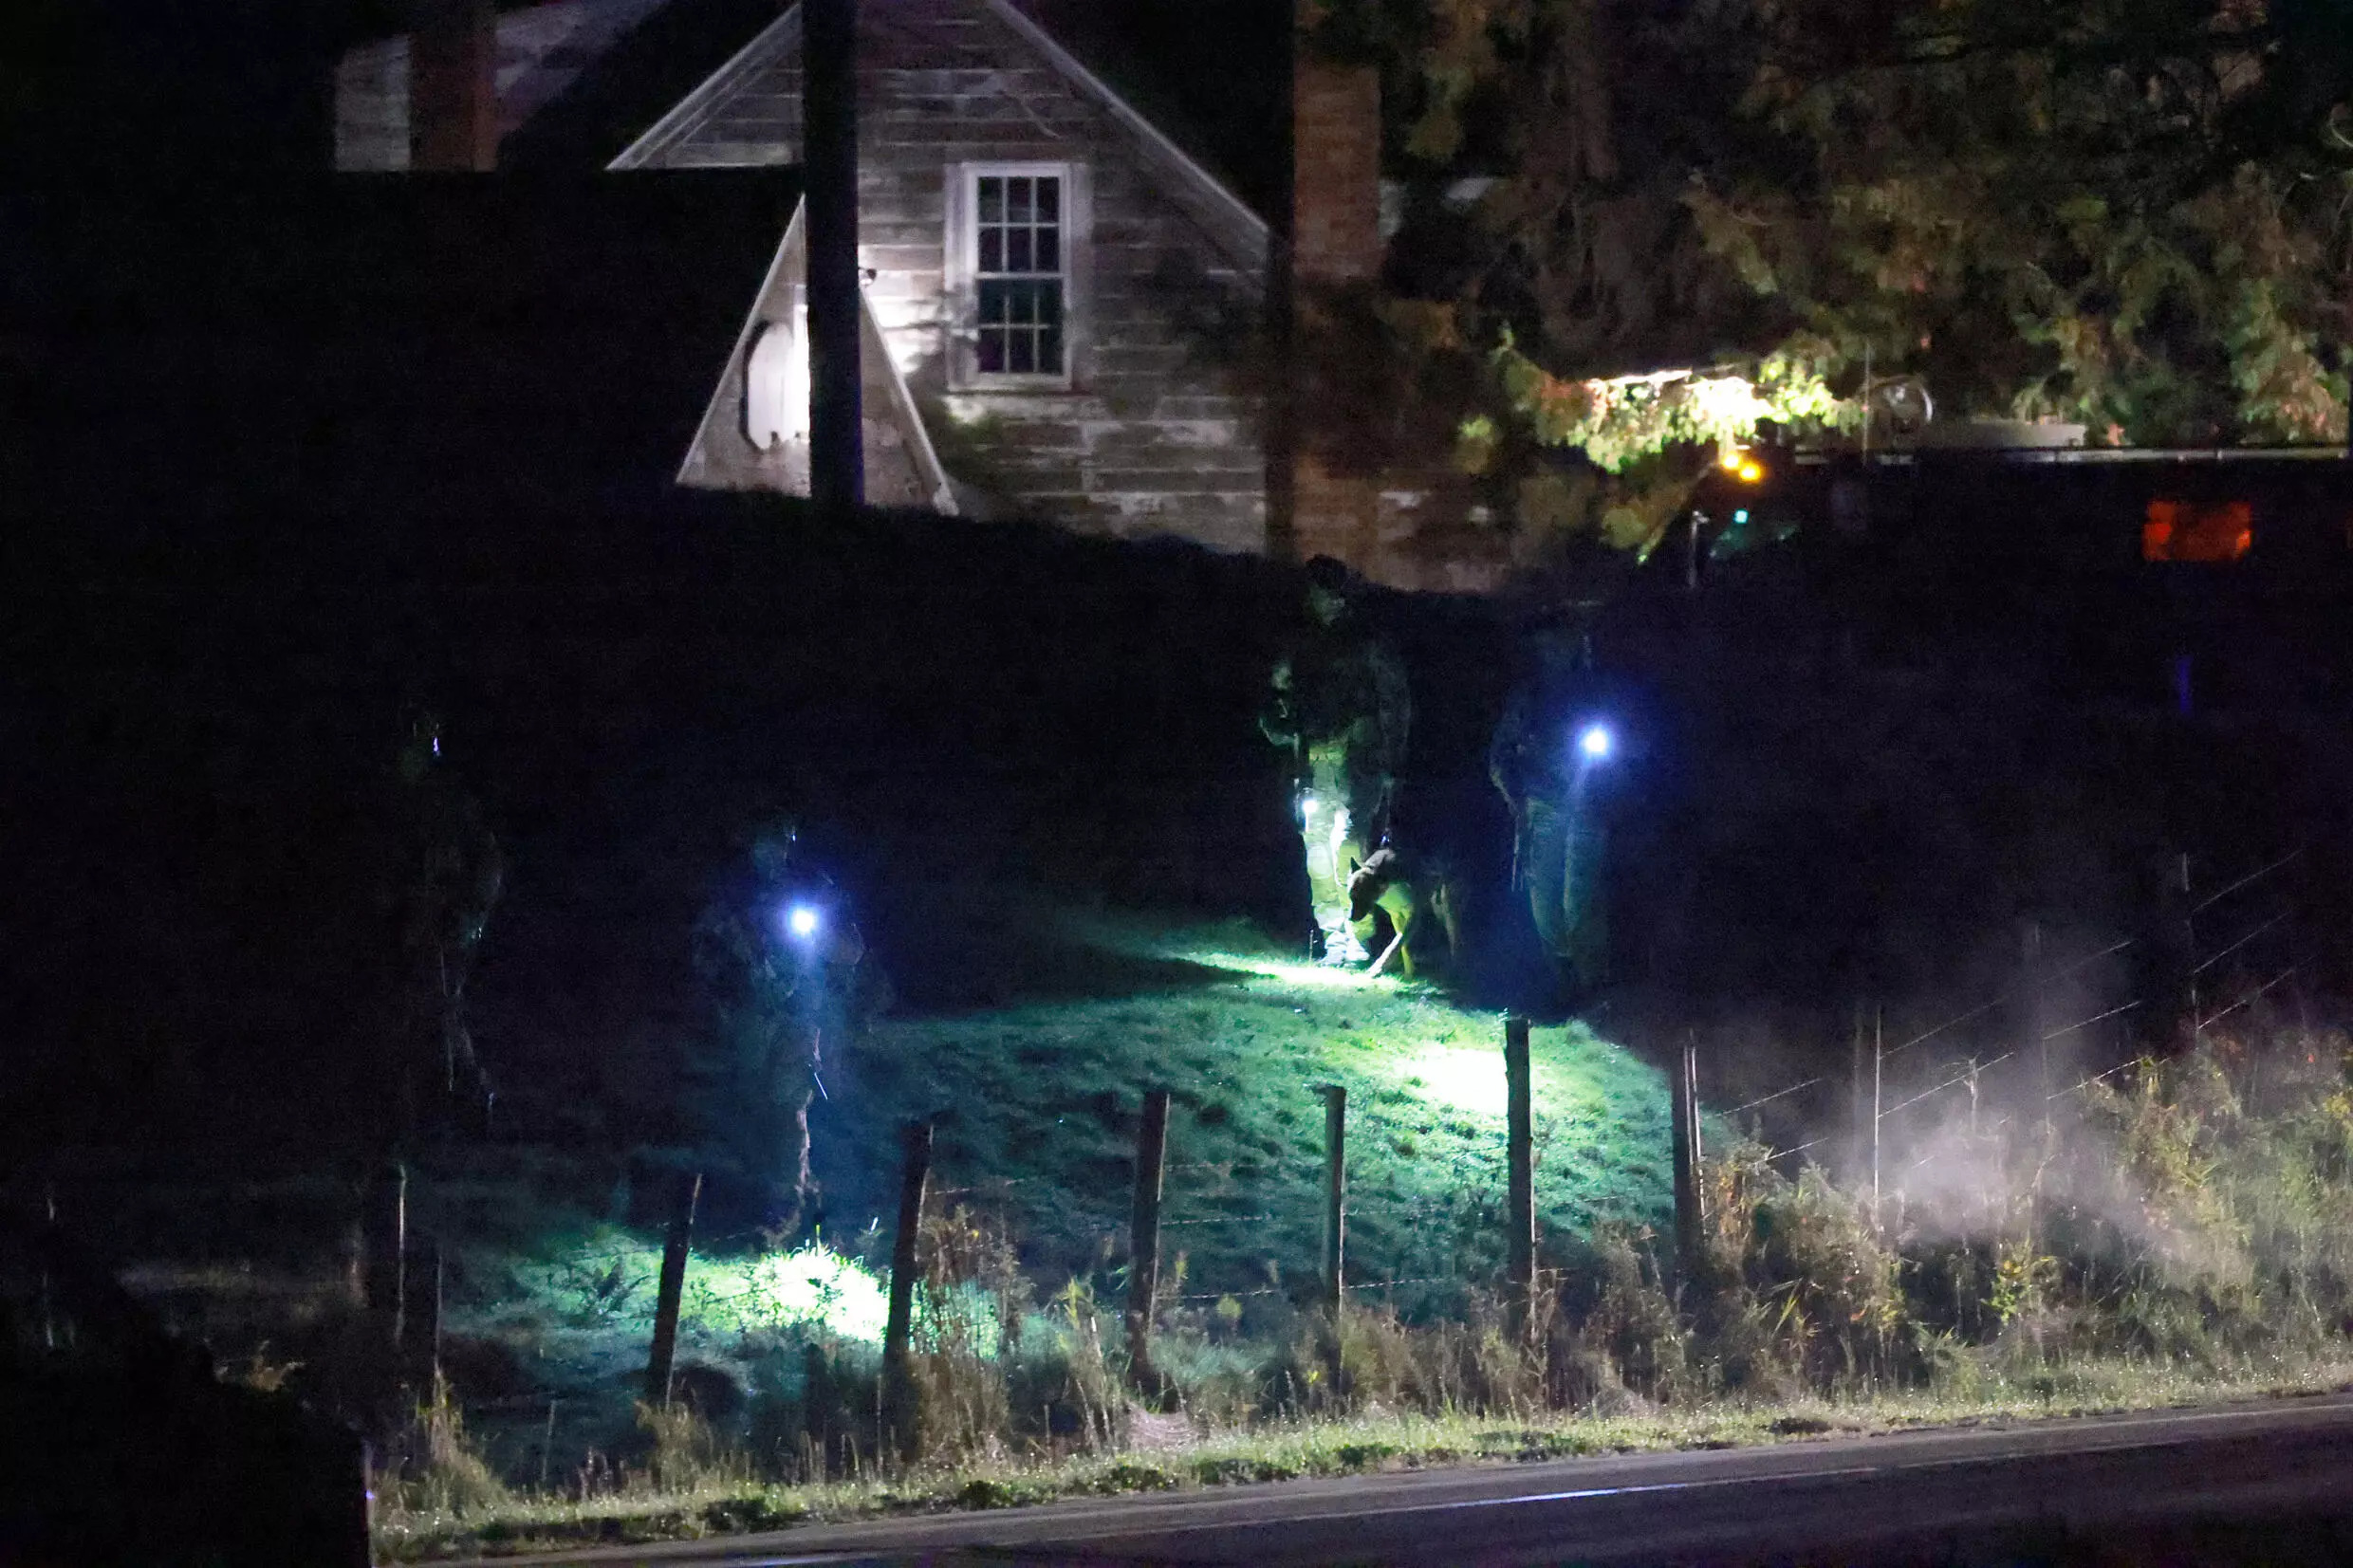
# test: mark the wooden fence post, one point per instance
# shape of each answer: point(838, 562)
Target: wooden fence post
point(1143, 1243)
point(1879, 1078)
point(2189, 957)
point(672, 1290)
point(1335, 1194)
point(429, 1333)
point(386, 1229)
point(1685, 1122)
point(2030, 1012)
point(1698, 1134)
point(1858, 1103)
point(1520, 1156)
point(48, 1307)
point(901, 1407)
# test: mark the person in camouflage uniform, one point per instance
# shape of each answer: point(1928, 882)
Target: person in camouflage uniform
point(1559, 843)
point(782, 965)
point(1341, 711)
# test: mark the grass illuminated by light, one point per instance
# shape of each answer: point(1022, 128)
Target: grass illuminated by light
point(817, 1287)
point(609, 1283)
point(1460, 1077)
point(1246, 1033)
point(1342, 977)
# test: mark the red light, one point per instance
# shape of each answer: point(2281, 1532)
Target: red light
point(2208, 532)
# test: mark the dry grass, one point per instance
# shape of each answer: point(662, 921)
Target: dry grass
point(638, 1508)
point(2193, 1246)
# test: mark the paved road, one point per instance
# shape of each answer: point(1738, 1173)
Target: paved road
point(1951, 1496)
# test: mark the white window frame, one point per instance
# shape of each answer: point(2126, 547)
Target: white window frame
point(962, 270)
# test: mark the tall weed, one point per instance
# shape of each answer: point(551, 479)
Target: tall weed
point(444, 1472)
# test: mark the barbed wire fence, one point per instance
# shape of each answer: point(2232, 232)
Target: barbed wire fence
point(2236, 946)
point(1905, 1104)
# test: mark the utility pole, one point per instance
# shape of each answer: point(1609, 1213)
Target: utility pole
point(829, 172)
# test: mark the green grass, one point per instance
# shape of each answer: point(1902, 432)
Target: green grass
point(726, 1506)
point(2227, 1285)
point(610, 1285)
point(1042, 1099)
point(1042, 1094)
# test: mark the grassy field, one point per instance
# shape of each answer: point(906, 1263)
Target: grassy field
point(1041, 1098)
point(1038, 1097)
point(2185, 1240)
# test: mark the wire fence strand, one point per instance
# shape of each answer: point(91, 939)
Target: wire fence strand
point(2096, 1078)
point(2096, 1018)
point(1777, 1094)
point(2226, 952)
point(2259, 990)
point(1975, 1068)
point(1949, 1023)
point(2109, 950)
point(2213, 898)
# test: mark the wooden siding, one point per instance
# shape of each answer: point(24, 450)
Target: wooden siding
point(1156, 437)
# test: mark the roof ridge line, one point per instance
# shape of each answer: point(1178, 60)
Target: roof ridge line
point(687, 112)
point(1246, 232)
point(1233, 208)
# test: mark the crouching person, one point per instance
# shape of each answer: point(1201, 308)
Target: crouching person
point(1340, 711)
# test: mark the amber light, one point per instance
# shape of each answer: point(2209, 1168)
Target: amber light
point(2208, 532)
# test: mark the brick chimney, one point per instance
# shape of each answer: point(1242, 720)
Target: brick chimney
point(1335, 171)
point(453, 86)
point(1335, 239)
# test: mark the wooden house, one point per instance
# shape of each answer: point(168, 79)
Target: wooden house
point(1066, 311)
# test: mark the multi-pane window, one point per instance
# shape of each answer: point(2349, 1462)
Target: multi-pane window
point(1020, 273)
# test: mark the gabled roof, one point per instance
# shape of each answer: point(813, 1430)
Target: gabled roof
point(633, 82)
point(542, 50)
point(1239, 229)
point(1213, 74)
point(575, 79)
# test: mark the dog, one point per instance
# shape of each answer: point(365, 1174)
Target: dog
point(1405, 891)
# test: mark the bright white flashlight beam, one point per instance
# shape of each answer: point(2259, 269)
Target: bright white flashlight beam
point(1595, 742)
point(802, 921)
